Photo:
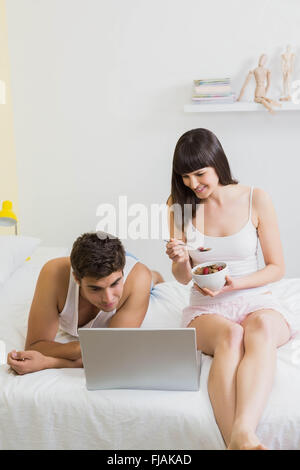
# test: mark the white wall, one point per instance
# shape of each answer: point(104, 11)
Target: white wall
point(98, 91)
point(8, 170)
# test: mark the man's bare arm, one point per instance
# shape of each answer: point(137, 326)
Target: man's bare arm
point(25, 362)
point(43, 319)
point(133, 311)
point(55, 349)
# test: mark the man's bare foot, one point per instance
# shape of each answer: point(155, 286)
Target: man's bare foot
point(245, 440)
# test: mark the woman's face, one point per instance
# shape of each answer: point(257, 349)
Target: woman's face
point(202, 182)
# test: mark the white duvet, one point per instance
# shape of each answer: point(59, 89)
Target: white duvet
point(52, 409)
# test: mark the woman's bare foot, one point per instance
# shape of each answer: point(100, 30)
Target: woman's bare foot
point(245, 440)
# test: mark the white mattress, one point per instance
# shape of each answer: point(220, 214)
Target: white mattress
point(52, 409)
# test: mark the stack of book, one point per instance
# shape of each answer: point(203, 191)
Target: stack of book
point(213, 90)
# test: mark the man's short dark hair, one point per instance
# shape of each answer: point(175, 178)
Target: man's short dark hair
point(97, 256)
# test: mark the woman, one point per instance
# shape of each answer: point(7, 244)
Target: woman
point(242, 324)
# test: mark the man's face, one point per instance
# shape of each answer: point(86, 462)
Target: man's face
point(105, 292)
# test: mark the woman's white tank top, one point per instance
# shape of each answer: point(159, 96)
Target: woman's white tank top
point(239, 251)
point(68, 318)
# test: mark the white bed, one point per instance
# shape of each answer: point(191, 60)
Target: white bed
point(52, 409)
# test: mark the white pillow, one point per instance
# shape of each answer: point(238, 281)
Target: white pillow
point(14, 250)
point(167, 300)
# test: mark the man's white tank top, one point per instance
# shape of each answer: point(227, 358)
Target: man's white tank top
point(239, 251)
point(68, 318)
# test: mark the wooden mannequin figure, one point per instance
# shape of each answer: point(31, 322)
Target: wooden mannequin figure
point(263, 78)
point(287, 67)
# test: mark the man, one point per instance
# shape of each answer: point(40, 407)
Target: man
point(99, 285)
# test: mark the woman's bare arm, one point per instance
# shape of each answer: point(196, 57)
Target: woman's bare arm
point(269, 237)
point(181, 265)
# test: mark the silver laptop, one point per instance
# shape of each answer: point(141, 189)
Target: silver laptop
point(135, 358)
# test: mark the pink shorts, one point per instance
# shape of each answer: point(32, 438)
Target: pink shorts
point(237, 309)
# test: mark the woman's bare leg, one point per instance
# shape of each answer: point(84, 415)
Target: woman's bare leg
point(264, 331)
point(222, 339)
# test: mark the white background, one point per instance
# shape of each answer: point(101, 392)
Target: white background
point(98, 89)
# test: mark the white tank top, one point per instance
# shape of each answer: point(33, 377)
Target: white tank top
point(68, 318)
point(239, 251)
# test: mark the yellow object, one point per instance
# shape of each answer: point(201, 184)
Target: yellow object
point(7, 216)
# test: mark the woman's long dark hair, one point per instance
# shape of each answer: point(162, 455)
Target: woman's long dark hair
point(196, 149)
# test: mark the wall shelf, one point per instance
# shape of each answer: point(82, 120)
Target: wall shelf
point(237, 106)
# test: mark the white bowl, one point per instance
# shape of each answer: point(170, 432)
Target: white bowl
point(214, 281)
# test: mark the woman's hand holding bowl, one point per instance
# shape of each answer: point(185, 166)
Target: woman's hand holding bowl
point(229, 286)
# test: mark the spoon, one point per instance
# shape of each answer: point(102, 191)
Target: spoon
point(201, 248)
